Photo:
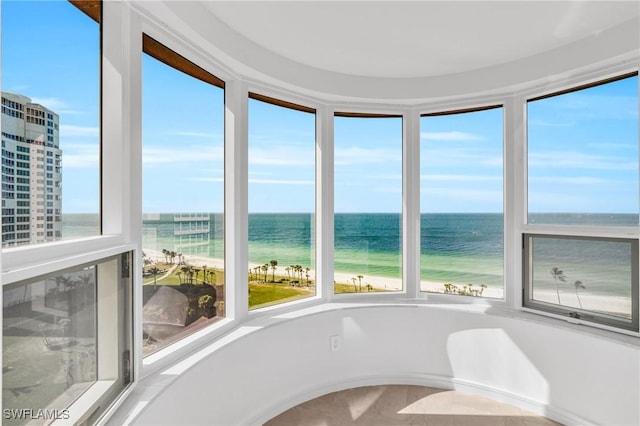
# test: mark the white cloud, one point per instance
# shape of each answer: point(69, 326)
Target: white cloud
point(572, 159)
point(51, 103)
point(460, 178)
point(458, 194)
point(206, 179)
point(550, 123)
point(80, 156)
point(197, 134)
point(68, 130)
point(281, 182)
point(356, 155)
point(613, 145)
point(587, 106)
point(282, 156)
point(56, 105)
point(181, 153)
point(440, 158)
point(571, 180)
point(450, 136)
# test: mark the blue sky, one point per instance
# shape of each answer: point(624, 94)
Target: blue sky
point(583, 147)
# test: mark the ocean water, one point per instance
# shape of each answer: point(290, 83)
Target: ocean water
point(456, 248)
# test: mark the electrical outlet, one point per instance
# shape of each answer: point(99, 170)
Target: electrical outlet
point(335, 343)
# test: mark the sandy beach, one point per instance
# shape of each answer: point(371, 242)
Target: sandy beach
point(595, 302)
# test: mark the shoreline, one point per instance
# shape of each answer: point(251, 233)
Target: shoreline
point(615, 304)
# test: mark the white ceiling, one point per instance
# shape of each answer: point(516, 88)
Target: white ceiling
point(419, 38)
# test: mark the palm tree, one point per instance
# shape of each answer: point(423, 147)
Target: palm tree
point(288, 269)
point(299, 269)
point(360, 277)
point(188, 273)
point(354, 284)
point(265, 269)
point(306, 270)
point(274, 265)
point(155, 271)
point(578, 285)
point(558, 275)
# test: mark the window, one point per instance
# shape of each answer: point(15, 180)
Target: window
point(66, 339)
point(580, 245)
point(281, 202)
point(183, 196)
point(588, 278)
point(51, 91)
point(368, 203)
point(461, 203)
point(583, 156)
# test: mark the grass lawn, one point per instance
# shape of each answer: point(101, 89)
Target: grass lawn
point(261, 295)
point(348, 288)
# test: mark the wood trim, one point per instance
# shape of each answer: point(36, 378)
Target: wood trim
point(91, 8)
point(460, 111)
point(163, 54)
point(281, 103)
point(585, 86)
point(365, 115)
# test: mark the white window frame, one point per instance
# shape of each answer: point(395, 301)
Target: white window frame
point(507, 190)
point(30, 261)
point(570, 83)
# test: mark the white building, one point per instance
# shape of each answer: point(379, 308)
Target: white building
point(31, 172)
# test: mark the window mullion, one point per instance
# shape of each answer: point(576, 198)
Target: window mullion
point(236, 199)
point(324, 202)
point(411, 204)
point(515, 197)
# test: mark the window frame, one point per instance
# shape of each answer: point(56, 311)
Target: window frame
point(256, 94)
point(157, 45)
point(573, 314)
point(407, 118)
point(32, 261)
point(104, 392)
point(499, 103)
point(593, 232)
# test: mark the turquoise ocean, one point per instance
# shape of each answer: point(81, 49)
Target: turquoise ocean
point(459, 248)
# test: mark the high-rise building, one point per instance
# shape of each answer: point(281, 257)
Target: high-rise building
point(31, 172)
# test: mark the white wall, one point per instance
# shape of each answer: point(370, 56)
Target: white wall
point(562, 371)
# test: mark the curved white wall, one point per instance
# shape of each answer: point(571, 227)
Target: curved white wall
point(237, 55)
point(562, 371)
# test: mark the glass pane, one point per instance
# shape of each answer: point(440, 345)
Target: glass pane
point(583, 156)
point(281, 204)
point(50, 122)
point(461, 199)
point(586, 274)
point(368, 204)
point(49, 343)
point(183, 202)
